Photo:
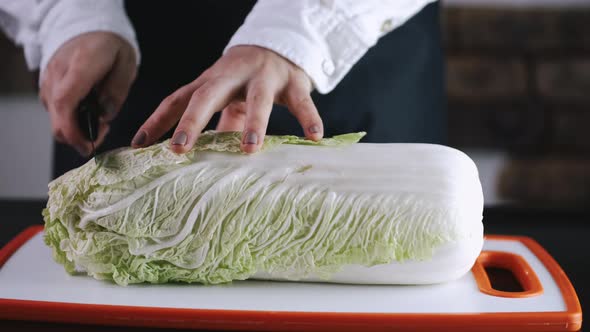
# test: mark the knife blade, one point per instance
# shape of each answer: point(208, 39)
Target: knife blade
point(89, 110)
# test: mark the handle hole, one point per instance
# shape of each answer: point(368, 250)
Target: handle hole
point(503, 280)
point(505, 274)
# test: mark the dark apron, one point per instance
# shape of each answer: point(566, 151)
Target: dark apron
point(395, 92)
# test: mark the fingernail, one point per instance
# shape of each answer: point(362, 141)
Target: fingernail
point(314, 129)
point(251, 138)
point(179, 138)
point(139, 138)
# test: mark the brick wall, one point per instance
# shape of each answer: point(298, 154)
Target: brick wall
point(518, 79)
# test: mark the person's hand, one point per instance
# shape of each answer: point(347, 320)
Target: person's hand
point(244, 83)
point(95, 59)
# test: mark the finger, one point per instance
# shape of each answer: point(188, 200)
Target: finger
point(116, 85)
point(103, 131)
point(233, 117)
point(65, 131)
point(83, 73)
point(48, 85)
point(52, 74)
point(211, 97)
point(60, 126)
point(259, 101)
point(302, 107)
point(165, 116)
point(66, 126)
point(55, 70)
point(58, 136)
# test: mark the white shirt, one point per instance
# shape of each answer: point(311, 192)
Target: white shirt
point(323, 37)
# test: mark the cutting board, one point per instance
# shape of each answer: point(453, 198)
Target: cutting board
point(514, 285)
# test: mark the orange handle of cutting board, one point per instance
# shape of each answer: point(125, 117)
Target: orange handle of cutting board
point(514, 263)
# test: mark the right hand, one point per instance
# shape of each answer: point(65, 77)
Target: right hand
point(95, 59)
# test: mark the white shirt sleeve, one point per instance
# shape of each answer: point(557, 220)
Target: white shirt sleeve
point(42, 26)
point(323, 37)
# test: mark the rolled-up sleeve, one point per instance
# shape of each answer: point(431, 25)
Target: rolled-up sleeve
point(42, 26)
point(323, 37)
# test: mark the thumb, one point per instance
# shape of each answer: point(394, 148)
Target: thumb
point(115, 86)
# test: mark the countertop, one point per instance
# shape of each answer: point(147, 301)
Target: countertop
point(564, 233)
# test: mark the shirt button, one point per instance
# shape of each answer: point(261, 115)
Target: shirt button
point(328, 67)
point(387, 25)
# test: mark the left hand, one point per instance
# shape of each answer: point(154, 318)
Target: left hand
point(244, 83)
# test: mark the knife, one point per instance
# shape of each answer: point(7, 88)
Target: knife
point(89, 110)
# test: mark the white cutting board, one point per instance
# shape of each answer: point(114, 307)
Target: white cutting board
point(31, 274)
point(34, 287)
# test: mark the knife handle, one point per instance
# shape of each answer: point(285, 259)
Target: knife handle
point(89, 111)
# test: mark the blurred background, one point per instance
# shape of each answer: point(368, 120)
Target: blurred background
point(518, 83)
point(518, 87)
